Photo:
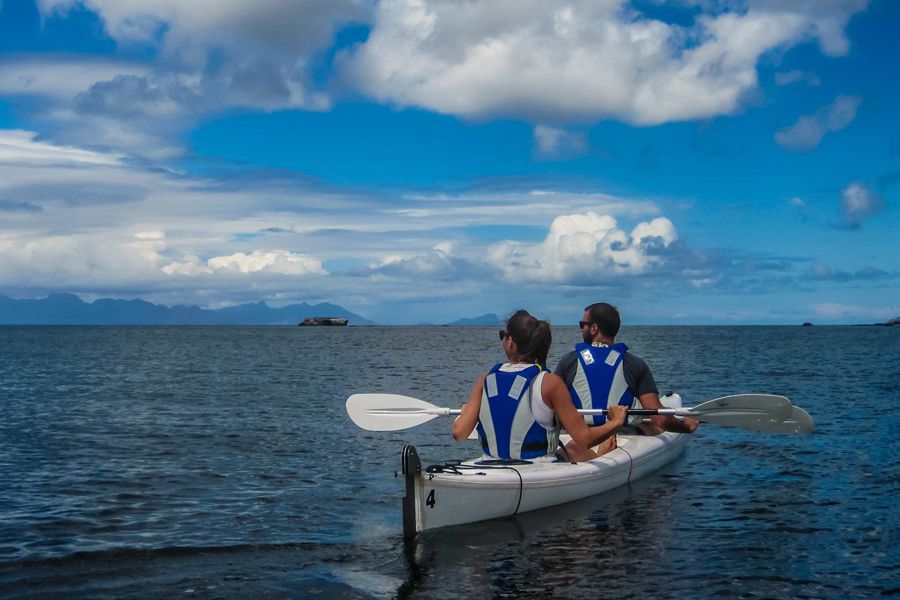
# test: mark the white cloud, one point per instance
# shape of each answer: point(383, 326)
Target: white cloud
point(19, 147)
point(554, 142)
point(585, 248)
point(859, 202)
point(809, 130)
point(193, 29)
point(833, 311)
point(554, 64)
point(93, 223)
point(790, 77)
point(529, 207)
point(273, 261)
point(208, 57)
point(578, 60)
point(80, 260)
point(61, 76)
point(439, 263)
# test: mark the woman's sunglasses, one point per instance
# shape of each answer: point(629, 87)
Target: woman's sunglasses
point(503, 334)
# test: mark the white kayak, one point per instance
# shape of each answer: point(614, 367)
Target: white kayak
point(472, 492)
point(478, 490)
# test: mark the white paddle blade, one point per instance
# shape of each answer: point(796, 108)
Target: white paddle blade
point(799, 421)
point(390, 412)
point(755, 412)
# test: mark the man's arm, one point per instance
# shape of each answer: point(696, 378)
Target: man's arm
point(640, 380)
point(662, 423)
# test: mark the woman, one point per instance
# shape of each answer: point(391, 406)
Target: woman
point(517, 406)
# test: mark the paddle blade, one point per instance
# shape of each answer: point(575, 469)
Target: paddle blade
point(389, 412)
point(755, 412)
point(799, 421)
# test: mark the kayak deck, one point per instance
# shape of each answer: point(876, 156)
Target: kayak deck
point(444, 495)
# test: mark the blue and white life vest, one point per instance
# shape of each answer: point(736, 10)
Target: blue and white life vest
point(506, 424)
point(600, 379)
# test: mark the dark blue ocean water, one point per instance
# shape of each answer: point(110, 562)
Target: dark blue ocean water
point(217, 462)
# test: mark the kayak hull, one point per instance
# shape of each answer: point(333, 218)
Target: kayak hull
point(475, 492)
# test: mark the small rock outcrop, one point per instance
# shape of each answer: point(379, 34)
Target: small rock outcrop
point(807, 324)
point(323, 321)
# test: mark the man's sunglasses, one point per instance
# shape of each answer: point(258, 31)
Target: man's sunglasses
point(583, 324)
point(503, 334)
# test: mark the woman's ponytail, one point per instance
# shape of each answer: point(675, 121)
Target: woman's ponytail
point(532, 336)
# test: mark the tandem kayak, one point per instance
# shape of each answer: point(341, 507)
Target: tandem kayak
point(478, 490)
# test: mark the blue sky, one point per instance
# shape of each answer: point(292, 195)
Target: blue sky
point(693, 161)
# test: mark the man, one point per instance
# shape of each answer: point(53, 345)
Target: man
point(601, 373)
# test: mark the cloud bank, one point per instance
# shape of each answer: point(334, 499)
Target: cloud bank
point(552, 64)
point(579, 61)
point(96, 224)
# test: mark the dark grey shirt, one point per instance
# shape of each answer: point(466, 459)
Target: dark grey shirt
point(637, 373)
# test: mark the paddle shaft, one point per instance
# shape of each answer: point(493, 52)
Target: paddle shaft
point(637, 412)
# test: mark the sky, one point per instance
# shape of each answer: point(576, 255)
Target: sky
point(690, 161)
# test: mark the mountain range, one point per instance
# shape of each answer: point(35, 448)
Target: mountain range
point(488, 319)
point(68, 309)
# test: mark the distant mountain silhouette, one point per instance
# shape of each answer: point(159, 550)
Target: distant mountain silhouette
point(68, 309)
point(488, 319)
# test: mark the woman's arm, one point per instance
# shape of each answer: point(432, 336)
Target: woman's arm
point(468, 418)
point(557, 397)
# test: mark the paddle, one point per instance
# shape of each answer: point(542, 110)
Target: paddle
point(798, 421)
point(755, 412)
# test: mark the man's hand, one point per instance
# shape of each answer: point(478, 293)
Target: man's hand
point(616, 414)
point(690, 424)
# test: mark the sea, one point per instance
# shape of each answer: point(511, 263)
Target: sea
point(218, 462)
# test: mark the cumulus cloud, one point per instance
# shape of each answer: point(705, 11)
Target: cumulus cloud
point(283, 262)
point(585, 249)
point(208, 57)
point(859, 202)
point(553, 64)
point(808, 131)
point(578, 60)
point(80, 260)
point(440, 263)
